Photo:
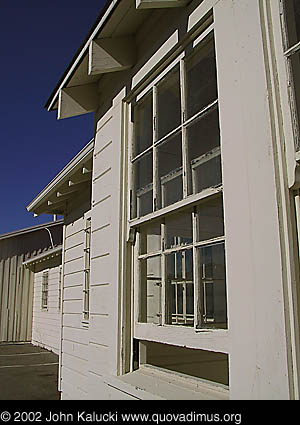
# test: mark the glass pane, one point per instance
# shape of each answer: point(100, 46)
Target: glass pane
point(293, 20)
point(213, 286)
point(143, 124)
point(179, 229)
point(201, 77)
point(204, 152)
point(150, 238)
point(150, 287)
point(180, 288)
point(170, 171)
point(143, 177)
point(168, 103)
point(210, 219)
point(295, 64)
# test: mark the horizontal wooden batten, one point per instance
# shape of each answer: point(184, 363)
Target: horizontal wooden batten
point(77, 100)
point(157, 4)
point(111, 54)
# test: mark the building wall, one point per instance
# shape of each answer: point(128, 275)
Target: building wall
point(74, 337)
point(46, 322)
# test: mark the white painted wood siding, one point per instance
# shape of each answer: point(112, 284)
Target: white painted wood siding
point(46, 322)
point(74, 355)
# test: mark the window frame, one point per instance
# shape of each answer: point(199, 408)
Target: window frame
point(211, 338)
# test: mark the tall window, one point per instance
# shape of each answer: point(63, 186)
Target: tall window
point(292, 53)
point(45, 280)
point(87, 270)
point(176, 162)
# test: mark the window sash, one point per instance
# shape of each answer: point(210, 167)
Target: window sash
point(187, 170)
point(87, 267)
point(200, 303)
point(45, 289)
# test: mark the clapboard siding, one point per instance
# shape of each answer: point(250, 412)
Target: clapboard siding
point(74, 334)
point(46, 322)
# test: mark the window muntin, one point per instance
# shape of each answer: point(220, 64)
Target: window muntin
point(182, 265)
point(182, 120)
point(292, 53)
point(45, 289)
point(87, 270)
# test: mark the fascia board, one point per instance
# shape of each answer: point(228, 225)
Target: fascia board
point(81, 157)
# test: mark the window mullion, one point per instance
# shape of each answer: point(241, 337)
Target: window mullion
point(156, 185)
point(196, 277)
point(185, 159)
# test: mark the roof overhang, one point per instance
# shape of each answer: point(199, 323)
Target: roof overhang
point(71, 182)
point(109, 47)
point(45, 256)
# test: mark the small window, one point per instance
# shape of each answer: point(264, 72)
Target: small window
point(87, 270)
point(45, 279)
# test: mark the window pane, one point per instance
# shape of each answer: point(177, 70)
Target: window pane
point(143, 124)
point(179, 230)
point(150, 239)
point(168, 103)
point(170, 171)
point(213, 286)
point(201, 77)
point(295, 64)
point(150, 287)
point(204, 152)
point(143, 177)
point(293, 20)
point(210, 219)
point(180, 288)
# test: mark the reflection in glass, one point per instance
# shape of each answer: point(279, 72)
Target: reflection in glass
point(170, 171)
point(179, 230)
point(150, 238)
point(143, 177)
point(213, 286)
point(210, 219)
point(168, 103)
point(150, 288)
point(180, 288)
point(201, 77)
point(143, 124)
point(204, 152)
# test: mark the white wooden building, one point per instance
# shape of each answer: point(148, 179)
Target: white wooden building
point(23, 254)
point(181, 240)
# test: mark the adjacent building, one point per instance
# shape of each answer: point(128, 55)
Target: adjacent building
point(180, 257)
point(23, 254)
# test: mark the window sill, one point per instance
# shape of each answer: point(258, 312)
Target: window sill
point(158, 383)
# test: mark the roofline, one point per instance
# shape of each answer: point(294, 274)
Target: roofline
point(99, 23)
point(81, 156)
point(50, 253)
point(30, 229)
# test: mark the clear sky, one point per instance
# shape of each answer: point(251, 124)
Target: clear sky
point(38, 39)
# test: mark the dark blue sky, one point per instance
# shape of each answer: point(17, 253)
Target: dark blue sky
point(38, 41)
